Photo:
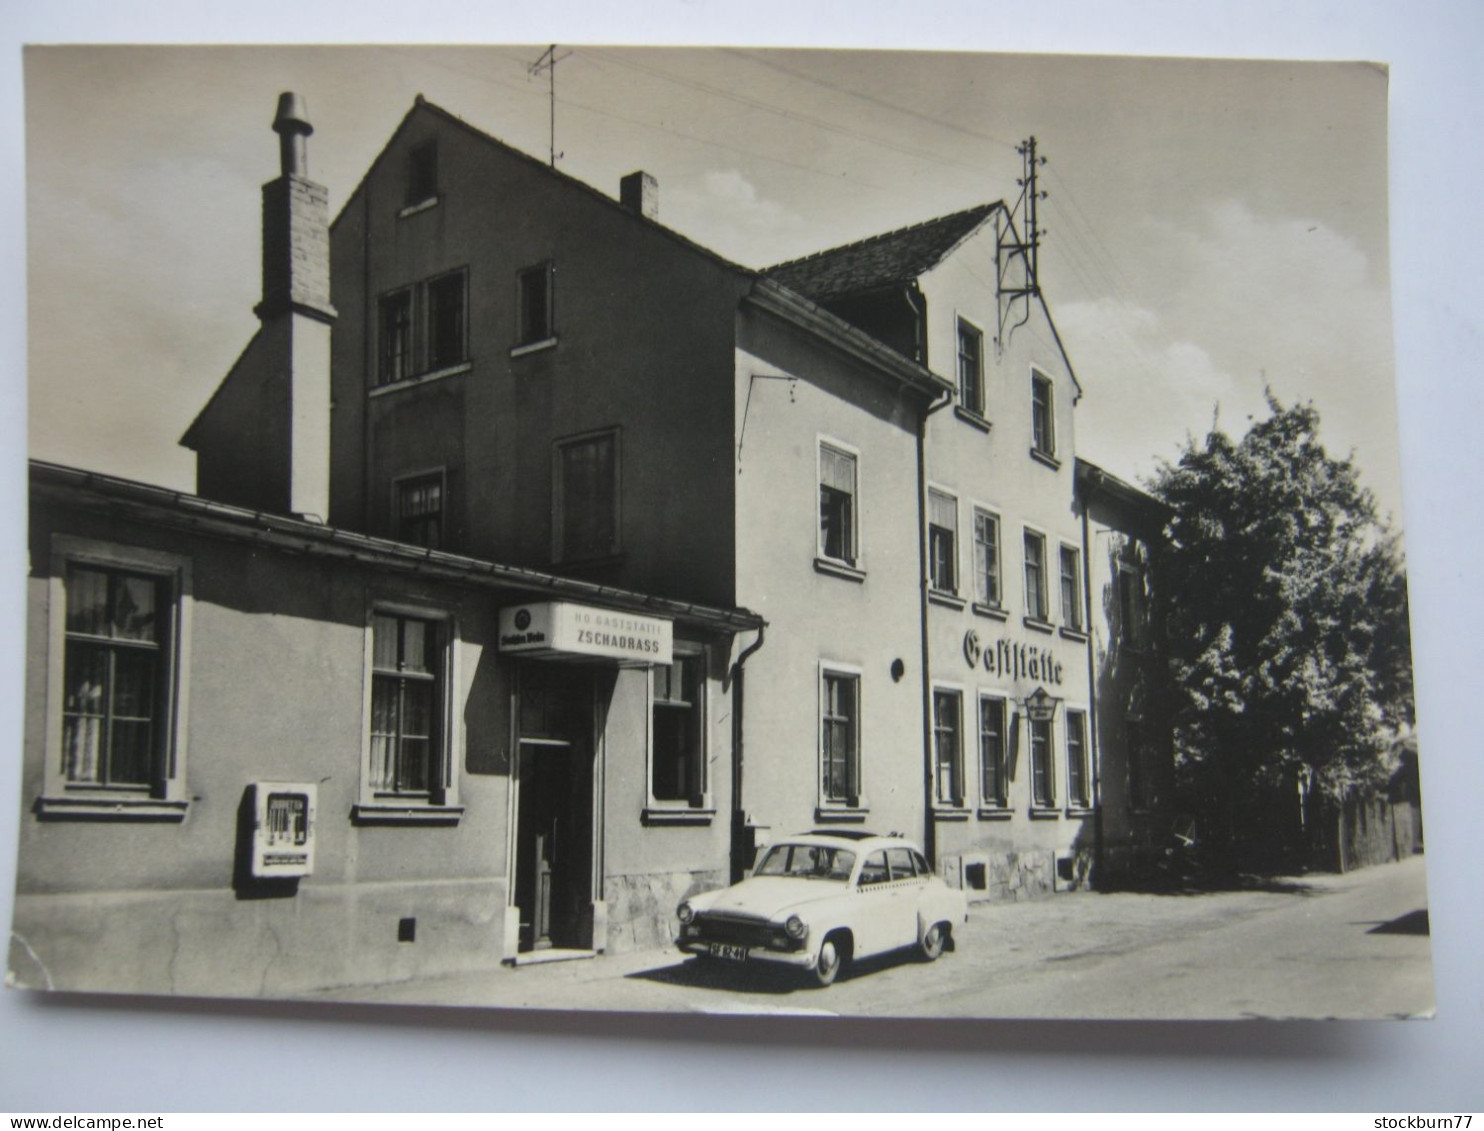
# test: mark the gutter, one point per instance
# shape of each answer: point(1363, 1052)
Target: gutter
point(179, 510)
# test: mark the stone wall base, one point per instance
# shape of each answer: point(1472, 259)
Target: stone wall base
point(641, 909)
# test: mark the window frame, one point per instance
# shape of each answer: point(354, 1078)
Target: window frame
point(1043, 420)
point(400, 484)
point(849, 806)
point(1041, 615)
point(559, 550)
point(972, 405)
point(999, 801)
point(1072, 619)
point(433, 363)
point(419, 356)
point(983, 600)
point(440, 802)
point(1133, 616)
point(934, 580)
point(165, 798)
point(853, 564)
point(1042, 778)
point(386, 372)
point(958, 801)
point(698, 806)
point(1079, 764)
point(524, 342)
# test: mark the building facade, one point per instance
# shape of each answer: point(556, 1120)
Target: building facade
point(546, 564)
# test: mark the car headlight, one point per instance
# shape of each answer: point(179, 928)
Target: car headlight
point(686, 912)
point(795, 928)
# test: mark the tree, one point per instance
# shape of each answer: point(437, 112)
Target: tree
point(1287, 626)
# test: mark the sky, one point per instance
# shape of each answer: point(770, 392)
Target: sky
point(1214, 228)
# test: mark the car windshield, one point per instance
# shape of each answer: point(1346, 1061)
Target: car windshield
point(807, 861)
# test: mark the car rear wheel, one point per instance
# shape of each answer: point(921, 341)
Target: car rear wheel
point(933, 941)
point(832, 954)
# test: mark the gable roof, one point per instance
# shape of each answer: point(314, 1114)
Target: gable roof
point(421, 104)
point(894, 257)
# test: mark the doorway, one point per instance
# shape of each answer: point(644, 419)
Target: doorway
point(554, 826)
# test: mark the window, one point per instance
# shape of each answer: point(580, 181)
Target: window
point(994, 773)
point(406, 706)
point(116, 720)
point(420, 510)
point(1137, 756)
point(1079, 780)
point(943, 542)
point(947, 749)
point(422, 173)
point(837, 532)
point(678, 761)
point(1043, 416)
point(534, 305)
point(899, 860)
point(839, 739)
point(423, 328)
point(1043, 780)
point(587, 497)
point(396, 337)
point(1035, 577)
point(970, 368)
point(111, 717)
point(986, 558)
point(1131, 616)
point(446, 339)
point(1071, 588)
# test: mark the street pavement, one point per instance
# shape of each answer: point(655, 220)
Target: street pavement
point(1344, 946)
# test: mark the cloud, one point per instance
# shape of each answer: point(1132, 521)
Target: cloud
point(724, 211)
point(1230, 301)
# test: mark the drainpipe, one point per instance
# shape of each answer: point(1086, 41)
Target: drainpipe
point(1093, 738)
point(739, 813)
point(929, 829)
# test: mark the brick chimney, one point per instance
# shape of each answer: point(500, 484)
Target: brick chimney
point(263, 440)
point(296, 223)
point(640, 192)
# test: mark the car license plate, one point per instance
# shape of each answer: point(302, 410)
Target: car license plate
point(728, 951)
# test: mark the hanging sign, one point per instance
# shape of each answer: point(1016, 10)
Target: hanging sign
point(557, 629)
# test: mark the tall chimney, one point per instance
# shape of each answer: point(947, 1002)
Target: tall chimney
point(639, 192)
point(296, 305)
point(263, 439)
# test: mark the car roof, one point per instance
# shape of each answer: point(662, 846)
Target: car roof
point(857, 840)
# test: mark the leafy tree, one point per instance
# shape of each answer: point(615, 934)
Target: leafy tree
point(1287, 628)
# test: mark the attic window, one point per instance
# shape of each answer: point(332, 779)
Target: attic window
point(422, 173)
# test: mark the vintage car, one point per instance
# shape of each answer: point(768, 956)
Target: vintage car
point(817, 900)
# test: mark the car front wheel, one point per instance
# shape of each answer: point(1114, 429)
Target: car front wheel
point(831, 959)
point(933, 940)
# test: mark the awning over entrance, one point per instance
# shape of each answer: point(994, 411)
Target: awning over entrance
point(568, 630)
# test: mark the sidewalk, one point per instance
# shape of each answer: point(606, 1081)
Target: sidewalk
point(1071, 954)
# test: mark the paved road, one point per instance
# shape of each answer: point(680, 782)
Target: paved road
point(1320, 946)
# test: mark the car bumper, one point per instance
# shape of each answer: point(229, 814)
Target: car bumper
point(802, 959)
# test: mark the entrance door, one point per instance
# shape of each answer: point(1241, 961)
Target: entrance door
point(554, 831)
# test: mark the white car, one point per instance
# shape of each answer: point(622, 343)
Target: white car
point(818, 900)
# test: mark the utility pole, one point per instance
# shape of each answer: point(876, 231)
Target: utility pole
point(548, 61)
point(1026, 247)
